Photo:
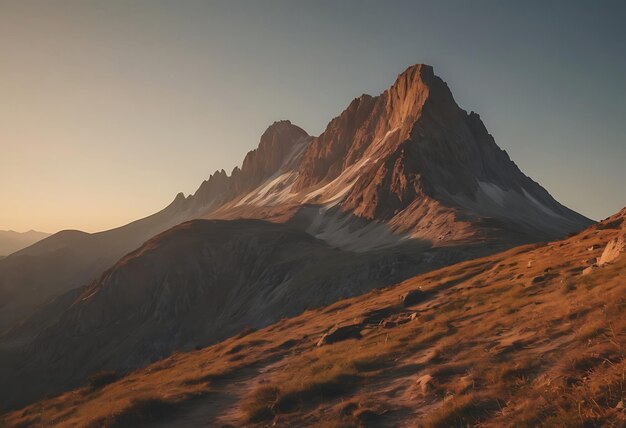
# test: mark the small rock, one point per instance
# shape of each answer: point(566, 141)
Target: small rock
point(414, 297)
point(425, 383)
point(589, 269)
point(338, 334)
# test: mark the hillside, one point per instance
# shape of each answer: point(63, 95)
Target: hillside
point(194, 285)
point(534, 336)
point(11, 241)
point(69, 259)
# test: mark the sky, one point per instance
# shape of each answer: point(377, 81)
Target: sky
point(108, 109)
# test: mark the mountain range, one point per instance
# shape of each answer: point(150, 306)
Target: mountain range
point(11, 241)
point(398, 184)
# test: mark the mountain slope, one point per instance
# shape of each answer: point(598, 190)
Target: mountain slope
point(193, 285)
point(70, 259)
point(11, 241)
point(534, 336)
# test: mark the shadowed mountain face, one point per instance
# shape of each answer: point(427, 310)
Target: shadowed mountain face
point(397, 184)
point(11, 241)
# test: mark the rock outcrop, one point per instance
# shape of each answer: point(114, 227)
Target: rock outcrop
point(613, 250)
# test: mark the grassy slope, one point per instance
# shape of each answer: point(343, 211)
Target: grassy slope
point(520, 338)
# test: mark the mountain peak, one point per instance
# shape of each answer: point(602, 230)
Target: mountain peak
point(277, 143)
point(276, 147)
point(277, 140)
point(416, 78)
point(422, 71)
point(280, 125)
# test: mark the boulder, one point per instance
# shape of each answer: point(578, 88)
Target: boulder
point(613, 250)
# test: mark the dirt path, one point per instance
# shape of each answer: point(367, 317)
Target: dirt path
point(220, 407)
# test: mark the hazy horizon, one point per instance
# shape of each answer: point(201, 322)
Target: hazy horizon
point(112, 108)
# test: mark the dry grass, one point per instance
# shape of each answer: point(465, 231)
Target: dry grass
point(466, 410)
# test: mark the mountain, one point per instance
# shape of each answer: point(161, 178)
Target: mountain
point(11, 241)
point(397, 184)
point(534, 336)
point(407, 164)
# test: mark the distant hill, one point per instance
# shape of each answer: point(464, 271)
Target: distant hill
point(11, 241)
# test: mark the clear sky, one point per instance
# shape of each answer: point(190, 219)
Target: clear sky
point(109, 108)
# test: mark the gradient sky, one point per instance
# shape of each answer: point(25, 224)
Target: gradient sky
point(109, 108)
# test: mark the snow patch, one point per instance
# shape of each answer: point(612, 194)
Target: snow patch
point(350, 233)
point(494, 192)
point(337, 189)
point(278, 188)
point(541, 206)
point(273, 192)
